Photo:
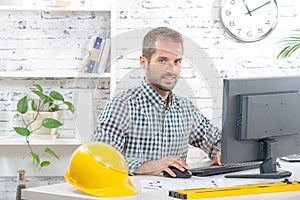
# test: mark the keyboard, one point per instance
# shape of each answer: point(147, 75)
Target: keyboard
point(222, 169)
point(291, 158)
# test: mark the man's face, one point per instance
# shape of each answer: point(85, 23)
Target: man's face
point(163, 70)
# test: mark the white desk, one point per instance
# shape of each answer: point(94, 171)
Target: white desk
point(65, 191)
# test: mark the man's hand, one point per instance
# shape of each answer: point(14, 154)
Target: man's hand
point(217, 159)
point(156, 167)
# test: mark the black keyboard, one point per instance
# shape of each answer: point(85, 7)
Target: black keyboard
point(222, 169)
point(291, 158)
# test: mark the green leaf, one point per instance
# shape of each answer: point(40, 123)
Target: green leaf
point(51, 152)
point(22, 105)
point(45, 163)
point(36, 158)
point(22, 131)
point(70, 106)
point(54, 108)
point(51, 123)
point(56, 96)
point(39, 87)
point(39, 93)
point(291, 44)
point(33, 105)
point(47, 99)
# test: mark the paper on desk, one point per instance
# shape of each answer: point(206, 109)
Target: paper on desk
point(176, 184)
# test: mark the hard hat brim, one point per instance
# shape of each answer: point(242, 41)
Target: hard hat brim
point(126, 190)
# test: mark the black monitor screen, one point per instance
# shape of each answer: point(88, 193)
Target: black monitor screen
point(261, 121)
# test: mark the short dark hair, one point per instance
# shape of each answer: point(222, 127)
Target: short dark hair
point(159, 33)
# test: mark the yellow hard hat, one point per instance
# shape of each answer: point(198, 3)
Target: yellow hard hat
point(99, 169)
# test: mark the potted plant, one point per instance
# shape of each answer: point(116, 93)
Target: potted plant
point(291, 44)
point(42, 104)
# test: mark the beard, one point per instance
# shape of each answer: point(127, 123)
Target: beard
point(164, 82)
point(163, 88)
point(159, 81)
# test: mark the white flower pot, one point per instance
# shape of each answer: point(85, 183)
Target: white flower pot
point(43, 133)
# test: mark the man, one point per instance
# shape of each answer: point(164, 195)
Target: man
point(149, 124)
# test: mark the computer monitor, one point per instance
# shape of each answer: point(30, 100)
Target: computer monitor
point(260, 122)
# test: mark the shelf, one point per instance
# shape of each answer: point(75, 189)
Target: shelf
point(58, 74)
point(14, 151)
point(15, 148)
point(10, 140)
point(104, 7)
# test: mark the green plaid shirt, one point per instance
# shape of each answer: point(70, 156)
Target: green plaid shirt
point(137, 123)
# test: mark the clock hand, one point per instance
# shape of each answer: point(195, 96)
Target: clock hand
point(249, 12)
point(258, 7)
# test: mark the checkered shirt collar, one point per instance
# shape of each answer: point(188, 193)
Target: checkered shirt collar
point(156, 99)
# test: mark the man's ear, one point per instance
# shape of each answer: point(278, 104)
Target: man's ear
point(143, 61)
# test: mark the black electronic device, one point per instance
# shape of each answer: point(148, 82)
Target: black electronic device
point(223, 169)
point(261, 122)
point(291, 158)
point(179, 174)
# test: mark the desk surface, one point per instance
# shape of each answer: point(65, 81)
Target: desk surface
point(65, 191)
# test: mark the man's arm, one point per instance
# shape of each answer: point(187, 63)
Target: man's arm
point(112, 124)
point(217, 159)
point(133, 164)
point(112, 128)
point(155, 167)
point(206, 136)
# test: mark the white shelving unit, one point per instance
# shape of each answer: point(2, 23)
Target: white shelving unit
point(13, 150)
point(20, 141)
point(106, 6)
point(102, 6)
point(15, 156)
point(56, 74)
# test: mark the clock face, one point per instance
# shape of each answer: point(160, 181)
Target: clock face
point(249, 20)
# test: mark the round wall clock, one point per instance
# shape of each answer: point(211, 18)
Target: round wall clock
point(249, 20)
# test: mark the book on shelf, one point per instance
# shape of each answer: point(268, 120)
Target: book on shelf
point(103, 53)
point(94, 54)
point(62, 3)
point(104, 60)
point(88, 54)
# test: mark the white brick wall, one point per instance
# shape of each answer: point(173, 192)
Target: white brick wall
point(218, 54)
point(13, 90)
point(47, 43)
point(44, 40)
point(8, 185)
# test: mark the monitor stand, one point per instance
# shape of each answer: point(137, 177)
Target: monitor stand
point(268, 169)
